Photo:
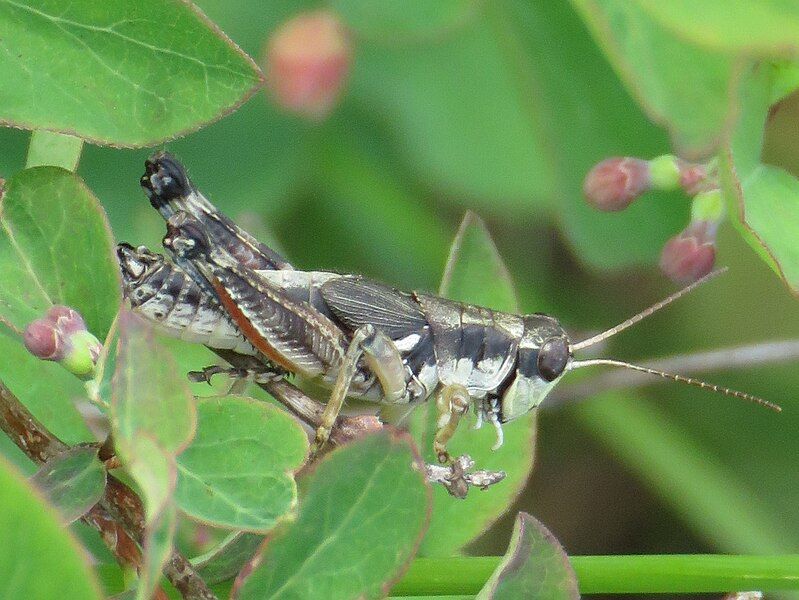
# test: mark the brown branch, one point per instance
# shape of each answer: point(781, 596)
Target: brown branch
point(740, 357)
point(119, 516)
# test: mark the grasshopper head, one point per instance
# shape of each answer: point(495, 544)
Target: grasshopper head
point(136, 264)
point(543, 357)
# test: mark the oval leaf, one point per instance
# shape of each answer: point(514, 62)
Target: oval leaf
point(38, 558)
point(535, 566)
point(237, 472)
point(73, 481)
point(364, 509)
point(475, 273)
point(119, 73)
point(56, 248)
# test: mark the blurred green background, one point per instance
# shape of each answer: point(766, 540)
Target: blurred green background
point(503, 108)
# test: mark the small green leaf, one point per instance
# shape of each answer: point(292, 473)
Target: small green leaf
point(53, 149)
point(118, 73)
point(55, 248)
point(73, 481)
point(364, 509)
point(237, 472)
point(682, 87)
point(39, 558)
point(475, 273)
point(535, 566)
point(149, 395)
point(226, 560)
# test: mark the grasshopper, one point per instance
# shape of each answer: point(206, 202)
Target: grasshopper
point(359, 337)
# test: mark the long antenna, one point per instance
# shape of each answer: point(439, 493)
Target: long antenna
point(577, 364)
point(646, 312)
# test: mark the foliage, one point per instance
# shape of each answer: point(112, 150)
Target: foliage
point(498, 106)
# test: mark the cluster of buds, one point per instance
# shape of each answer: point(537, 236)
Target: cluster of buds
point(61, 336)
point(307, 62)
point(613, 184)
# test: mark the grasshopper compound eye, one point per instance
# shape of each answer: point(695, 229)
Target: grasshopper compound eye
point(553, 358)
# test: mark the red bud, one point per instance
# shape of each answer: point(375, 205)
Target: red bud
point(307, 62)
point(43, 340)
point(691, 254)
point(615, 182)
point(66, 319)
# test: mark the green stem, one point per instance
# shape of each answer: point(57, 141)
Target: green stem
point(54, 149)
point(618, 574)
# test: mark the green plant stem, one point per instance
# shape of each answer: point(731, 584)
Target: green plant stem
point(55, 149)
point(618, 574)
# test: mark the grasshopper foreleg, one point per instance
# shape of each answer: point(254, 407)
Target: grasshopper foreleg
point(385, 362)
point(452, 402)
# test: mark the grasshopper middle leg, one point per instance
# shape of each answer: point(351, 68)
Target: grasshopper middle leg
point(385, 362)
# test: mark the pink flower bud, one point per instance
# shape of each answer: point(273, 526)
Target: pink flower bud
point(66, 319)
point(307, 62)
point(43, 340)
point(61, 336)
point(691, 254)
point(615, 182)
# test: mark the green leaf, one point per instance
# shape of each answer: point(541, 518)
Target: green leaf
point(153, 419)
point(405, 20)
point(763, 28)
point(535, 566)
point(685, 88)
point(55, 248)
point(73, 481)
point(364, 509)
point(763, 199)
point(119, 73)
point(237, 472)
point(53, 149)
point(473, 261)
point(475, 273)
point(39, 559)
point(150, 396)
point(226, 560)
